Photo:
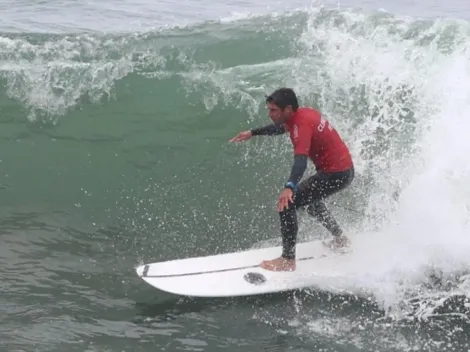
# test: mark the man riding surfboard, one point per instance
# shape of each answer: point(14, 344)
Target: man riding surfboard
point(313, 138)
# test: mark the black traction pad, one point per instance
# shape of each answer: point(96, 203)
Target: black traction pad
point(255, 278)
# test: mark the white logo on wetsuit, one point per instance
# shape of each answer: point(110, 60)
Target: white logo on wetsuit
point(322, 125)
point(296, 132)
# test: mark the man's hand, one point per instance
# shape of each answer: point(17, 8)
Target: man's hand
point(242, 136)
point(284, 198)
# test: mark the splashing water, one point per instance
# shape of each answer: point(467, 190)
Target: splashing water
point(400, 90)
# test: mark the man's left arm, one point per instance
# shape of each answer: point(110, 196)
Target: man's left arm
point(297, 171)
point(301, 150)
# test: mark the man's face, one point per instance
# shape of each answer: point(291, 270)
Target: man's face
point(277, 115)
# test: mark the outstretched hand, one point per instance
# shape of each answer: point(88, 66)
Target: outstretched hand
point(242, 136)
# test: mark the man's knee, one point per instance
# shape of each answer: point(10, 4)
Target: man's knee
point(287, 212)
point(317, 208)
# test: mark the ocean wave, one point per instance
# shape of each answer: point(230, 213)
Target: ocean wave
point(394, 87)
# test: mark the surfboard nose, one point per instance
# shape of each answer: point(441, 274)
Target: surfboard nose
point(142, 270)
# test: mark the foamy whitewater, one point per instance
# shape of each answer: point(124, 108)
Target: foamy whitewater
point(418, 255)
point(411, 255)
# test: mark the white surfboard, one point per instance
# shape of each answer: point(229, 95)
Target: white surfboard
point(239, 274)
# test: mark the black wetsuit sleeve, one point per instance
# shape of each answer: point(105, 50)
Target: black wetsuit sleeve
point(269, 130)
point(298, 169)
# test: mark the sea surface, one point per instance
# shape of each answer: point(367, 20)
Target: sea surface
point(115, 117)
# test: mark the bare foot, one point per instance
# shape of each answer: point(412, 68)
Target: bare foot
point(339, 242)
point(279, 264)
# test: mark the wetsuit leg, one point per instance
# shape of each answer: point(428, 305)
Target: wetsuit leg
point(319, 210)
point(310, 193)
point(289, 225)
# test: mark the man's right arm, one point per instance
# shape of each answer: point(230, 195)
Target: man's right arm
point(269, 130)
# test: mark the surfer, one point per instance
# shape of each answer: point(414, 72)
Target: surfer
point(312, 137)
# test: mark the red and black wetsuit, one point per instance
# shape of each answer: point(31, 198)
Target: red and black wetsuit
point(313, 138)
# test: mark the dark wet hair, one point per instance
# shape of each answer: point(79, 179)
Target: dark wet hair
point(283, 97)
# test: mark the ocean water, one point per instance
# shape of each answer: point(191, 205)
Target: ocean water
point(114, 125)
